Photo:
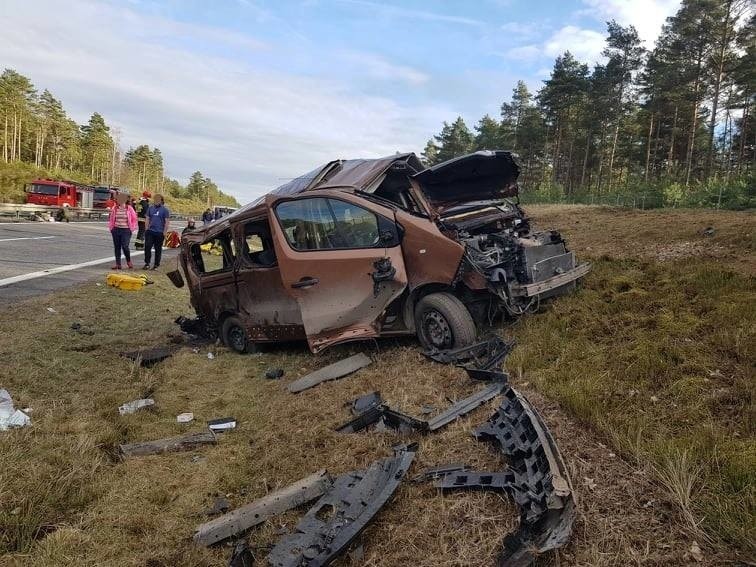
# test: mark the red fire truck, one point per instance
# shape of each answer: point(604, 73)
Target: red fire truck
point(59, 193)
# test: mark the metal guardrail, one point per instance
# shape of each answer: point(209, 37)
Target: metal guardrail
point(17, 212)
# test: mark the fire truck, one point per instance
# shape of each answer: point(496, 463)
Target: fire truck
point(59, 193)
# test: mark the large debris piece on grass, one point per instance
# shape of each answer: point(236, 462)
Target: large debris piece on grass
point(342, 513)
point(537, 480)
point(9, 415)
point(169, 445)
point(379, 414)
point(254, 513)
point(482, 360)
point(331, 372)
point(150, 356)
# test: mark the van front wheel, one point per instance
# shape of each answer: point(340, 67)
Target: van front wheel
point(235, 337)
point(443, 322)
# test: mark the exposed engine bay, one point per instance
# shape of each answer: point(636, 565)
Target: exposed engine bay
point(519, 266)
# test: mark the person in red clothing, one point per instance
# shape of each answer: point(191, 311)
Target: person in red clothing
point(122, 221)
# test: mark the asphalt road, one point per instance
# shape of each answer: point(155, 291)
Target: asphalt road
point(38, 258)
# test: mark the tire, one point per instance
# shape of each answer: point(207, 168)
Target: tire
point(234, 336)
point(443, 322)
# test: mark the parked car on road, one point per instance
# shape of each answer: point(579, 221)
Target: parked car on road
point(376, 247)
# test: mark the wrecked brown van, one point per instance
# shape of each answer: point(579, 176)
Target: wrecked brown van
point(376, 247)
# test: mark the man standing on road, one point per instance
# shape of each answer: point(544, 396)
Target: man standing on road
point(156, 226)
point(144, 205)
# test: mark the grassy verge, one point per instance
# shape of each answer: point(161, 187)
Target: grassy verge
point(652, 360)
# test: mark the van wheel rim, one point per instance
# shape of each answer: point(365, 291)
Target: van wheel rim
point(436, 329)
point(237, 338)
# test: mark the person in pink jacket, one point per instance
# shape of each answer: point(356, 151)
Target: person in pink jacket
point(122, 221)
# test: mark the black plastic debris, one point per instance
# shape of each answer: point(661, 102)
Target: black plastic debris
point(79, 328)
point(536, 479)
point(433, 473)
point(364, 403)
point(197, 327)
point(274, 373)
point(241, 556)
point(340, 515)
point(482, 360)
point(150, 357)
point(383, 417)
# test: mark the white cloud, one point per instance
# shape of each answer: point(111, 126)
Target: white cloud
point(524, 53)
point(523, 30)
point(380, 68)
point(646, 15)
point(248, 128)
point(584, 44)
point(407, 13)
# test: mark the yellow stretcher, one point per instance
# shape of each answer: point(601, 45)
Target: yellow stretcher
point(127, 282)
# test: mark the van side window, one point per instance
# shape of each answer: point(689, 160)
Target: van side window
point(214, 255)
point(326, 224)
point(258, 245)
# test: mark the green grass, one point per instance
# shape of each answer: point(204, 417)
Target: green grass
point(658, 358)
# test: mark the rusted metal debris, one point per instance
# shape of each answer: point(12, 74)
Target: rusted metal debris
point(238, 521)
point(333, 371)
point(334, 521)
point(536, 479)
point(169, 445)
point(378, 413)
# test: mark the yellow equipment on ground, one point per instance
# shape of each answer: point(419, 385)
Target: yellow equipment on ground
point(127, 282)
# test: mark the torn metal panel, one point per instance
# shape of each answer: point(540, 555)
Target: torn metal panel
point(239, 520)
point(541, 484)
point(465, 406)
point(342, 513)
point(331, 372)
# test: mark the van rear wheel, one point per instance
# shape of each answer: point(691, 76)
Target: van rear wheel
point(443, 322)
point(235, 337)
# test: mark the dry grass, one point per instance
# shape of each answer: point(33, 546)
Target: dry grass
point(679, 332)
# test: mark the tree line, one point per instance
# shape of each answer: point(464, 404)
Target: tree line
point(676, 123)
point(38, 135)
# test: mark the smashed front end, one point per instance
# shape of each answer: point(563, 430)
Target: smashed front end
point(475, 198)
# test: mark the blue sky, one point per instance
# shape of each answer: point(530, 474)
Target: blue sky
point(254, 92)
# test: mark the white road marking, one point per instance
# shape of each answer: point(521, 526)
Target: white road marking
point(51, 271)
point(26, 238)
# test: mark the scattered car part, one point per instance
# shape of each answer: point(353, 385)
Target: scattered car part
point(136, 405)
point(382, 415)
point(433, 473)
point(482, 360)
point(197, 327)
point(537, 480)
point(9, 415)
point(151, 356)
point(185, 417)
point(222, 424)
point(465, 406)
point(333, 371)
point(239, 520)
point(181, 443)
point(241, 556)
point(504, 481)
point(364, 403)
point(274, 373)
point(339, 516)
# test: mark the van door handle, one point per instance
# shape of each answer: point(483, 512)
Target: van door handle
point(305, 282)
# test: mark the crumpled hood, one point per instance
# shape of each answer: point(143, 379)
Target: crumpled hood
point(478, 177)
